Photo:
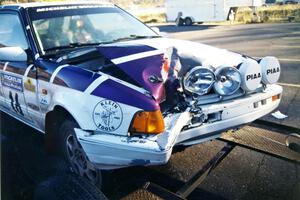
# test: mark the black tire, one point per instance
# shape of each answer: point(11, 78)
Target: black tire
point(8, 124)
point(7, 174)
point(179, 21)
point(67, 187)
point(188, 21)
point(72, 152)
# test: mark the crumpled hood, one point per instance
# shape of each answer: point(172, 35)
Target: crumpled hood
point(200, 53)
point(151, 62)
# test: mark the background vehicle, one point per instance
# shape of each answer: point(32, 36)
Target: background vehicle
point(282, 2)
point(205, 10)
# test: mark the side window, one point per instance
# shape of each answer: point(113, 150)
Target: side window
point(11, 32)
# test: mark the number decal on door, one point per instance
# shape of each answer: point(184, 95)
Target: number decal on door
point(14, 102)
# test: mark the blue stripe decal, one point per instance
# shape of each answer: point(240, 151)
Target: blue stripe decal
point(112, 90)
point(75, 78)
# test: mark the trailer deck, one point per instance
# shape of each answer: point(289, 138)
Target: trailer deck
point(264, 137)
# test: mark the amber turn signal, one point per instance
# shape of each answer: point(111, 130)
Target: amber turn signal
point(148, 122)
point(275, 97)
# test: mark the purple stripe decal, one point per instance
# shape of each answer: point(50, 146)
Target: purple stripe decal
point(75, 78)
point(121, 50)
point(140, 70)
point(45, 70)
point(117, 92)
point(17, 67)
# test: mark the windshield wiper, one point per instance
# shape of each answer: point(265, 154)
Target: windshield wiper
point(78, 44)
point(132, 37)
point(73, 45)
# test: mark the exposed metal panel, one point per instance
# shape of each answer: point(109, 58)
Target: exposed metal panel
point(263, 140)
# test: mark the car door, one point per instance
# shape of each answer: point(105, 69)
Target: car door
point(12, 69)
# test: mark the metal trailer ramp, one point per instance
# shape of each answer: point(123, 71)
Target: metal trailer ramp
point(268, 140)
point(264, 137)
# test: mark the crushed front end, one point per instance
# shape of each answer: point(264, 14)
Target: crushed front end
point(196, 103)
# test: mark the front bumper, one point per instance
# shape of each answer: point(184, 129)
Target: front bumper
point(108, 151)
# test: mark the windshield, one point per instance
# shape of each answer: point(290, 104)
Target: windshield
point(68, 26)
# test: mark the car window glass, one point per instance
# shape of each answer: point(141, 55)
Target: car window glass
point(11, 32)
point(59, 28)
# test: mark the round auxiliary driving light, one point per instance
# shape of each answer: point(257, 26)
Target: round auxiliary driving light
point(199, 80)
point(250, 72)
point(228, 80)
point(270, 68)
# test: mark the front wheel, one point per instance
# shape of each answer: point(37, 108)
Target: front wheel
point(64, 187)
point(74, 154)
point(179, 21)
point(188, 21)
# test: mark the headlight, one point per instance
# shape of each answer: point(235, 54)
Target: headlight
point(199, 80)
point(228, 80)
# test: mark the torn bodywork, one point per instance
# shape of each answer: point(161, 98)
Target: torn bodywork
point(190, 116)
point(111, 151)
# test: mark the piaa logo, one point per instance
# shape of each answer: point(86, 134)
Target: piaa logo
point(253, 76)
point(108, 115)
point(273, 70)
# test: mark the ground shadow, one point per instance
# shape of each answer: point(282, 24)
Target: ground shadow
point(26, 167)
point(172, 28)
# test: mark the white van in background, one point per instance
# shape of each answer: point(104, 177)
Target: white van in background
point(192, 11)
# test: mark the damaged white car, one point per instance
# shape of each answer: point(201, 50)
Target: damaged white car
point(111, 93)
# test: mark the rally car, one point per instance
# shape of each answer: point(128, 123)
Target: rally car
point(109, 92)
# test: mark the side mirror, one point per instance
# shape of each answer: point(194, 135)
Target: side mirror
point(156, 30)
point(13, 54)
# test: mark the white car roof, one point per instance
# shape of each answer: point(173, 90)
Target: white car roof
point(41, 4)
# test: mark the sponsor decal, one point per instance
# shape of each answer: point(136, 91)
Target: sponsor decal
point(253, 76)
point(12, 82)
point(28, 85)
point(14, 103)
point(273, 70)
point(33, 106)
point(44, 101)
point(108, 115)
point(71, 7)
point(44, 91)
point(44, 97)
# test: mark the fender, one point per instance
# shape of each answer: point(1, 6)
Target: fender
point(74, 102)
point(82, 107)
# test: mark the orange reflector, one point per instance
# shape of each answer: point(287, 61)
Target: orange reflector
point(275, 97)
point(148, 122)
